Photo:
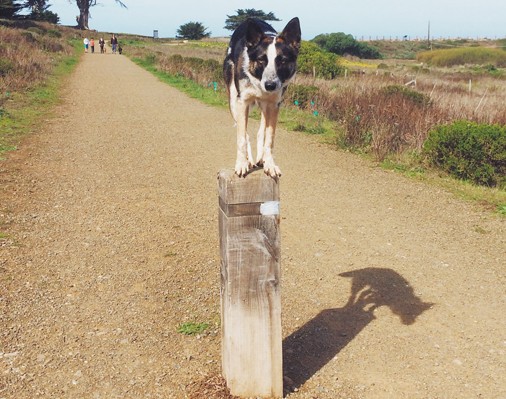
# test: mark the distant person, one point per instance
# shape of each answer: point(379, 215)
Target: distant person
point(114, 43)
point(92, 45)
point(101, 43)
point(86, 44)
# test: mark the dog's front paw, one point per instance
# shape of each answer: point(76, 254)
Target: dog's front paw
point(242, 167)
point(271, 169)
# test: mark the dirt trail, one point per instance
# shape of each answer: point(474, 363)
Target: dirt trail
point(111, 211)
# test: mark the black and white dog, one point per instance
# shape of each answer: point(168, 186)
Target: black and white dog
point(258, 67)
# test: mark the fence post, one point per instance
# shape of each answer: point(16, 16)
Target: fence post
point(250, 284)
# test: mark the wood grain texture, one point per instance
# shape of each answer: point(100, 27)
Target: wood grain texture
point(250, 286)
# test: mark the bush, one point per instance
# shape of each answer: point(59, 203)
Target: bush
point(343, 44)
point(29, 37)
point(469, 151)
point(312, 59)
point(150, 59)
point(36, 30)
point(6, 66)
point(45, 15)
point(54, 33)
point(405, 93)
point(301, 95)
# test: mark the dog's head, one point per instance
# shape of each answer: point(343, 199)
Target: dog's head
point(272, 56)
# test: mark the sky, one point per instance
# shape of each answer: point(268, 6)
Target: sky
point(364, 19)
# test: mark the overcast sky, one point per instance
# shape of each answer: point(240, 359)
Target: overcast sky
point(361, 18)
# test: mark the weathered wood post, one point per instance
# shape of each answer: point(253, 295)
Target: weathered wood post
point(250, 284)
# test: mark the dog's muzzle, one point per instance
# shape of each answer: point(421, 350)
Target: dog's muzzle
point(270, 85)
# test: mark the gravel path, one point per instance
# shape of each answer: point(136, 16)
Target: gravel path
point(391, 288)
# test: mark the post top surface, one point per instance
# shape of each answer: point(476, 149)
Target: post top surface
point(255, 187)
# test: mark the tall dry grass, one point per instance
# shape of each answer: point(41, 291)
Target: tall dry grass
point(464, 56)
point(385, 121)
point(27, 54)
point(204, 71)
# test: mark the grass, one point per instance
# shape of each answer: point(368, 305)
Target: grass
point(464, 56)
point(307, 122)
point(192, 328)
point(194, 90)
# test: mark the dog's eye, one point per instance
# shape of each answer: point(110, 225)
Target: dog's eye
point(262, 60)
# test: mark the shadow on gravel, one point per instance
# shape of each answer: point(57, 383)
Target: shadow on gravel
point(317, 342)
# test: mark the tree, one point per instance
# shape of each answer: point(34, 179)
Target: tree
point(84, 11)
point(192, 31)
point(36, 6)
point(39, 11)
point(233, 21)
point(9, 8)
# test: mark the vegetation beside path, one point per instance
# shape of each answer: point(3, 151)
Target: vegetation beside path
point(392, 133)
point(32, 71)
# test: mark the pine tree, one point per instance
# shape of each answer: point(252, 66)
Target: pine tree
point(233, 21)
point(192, 31)
point(9, 8)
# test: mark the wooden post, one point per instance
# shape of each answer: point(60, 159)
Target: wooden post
point(250, 284)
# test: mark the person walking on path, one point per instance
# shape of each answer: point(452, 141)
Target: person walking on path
point(114, 43)
point(101, 43)
point(92, 45)
point(86, 44)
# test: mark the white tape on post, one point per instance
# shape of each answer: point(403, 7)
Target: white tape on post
point(269, 208)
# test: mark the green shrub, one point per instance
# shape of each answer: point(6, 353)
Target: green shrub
point(150, 59)
point(313, 60)
point(36, 30)
point(29, 37)
point(406, 93)
point(6, 66)
point(469, 151)
point(340, 43)
point(54, 33)
point(301, 95)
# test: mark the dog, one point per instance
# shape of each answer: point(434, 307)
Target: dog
point(257, 69)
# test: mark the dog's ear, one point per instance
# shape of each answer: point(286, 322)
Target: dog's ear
point(291, 35)
point(254, 33)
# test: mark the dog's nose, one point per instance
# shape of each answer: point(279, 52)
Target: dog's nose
point(270, 86)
